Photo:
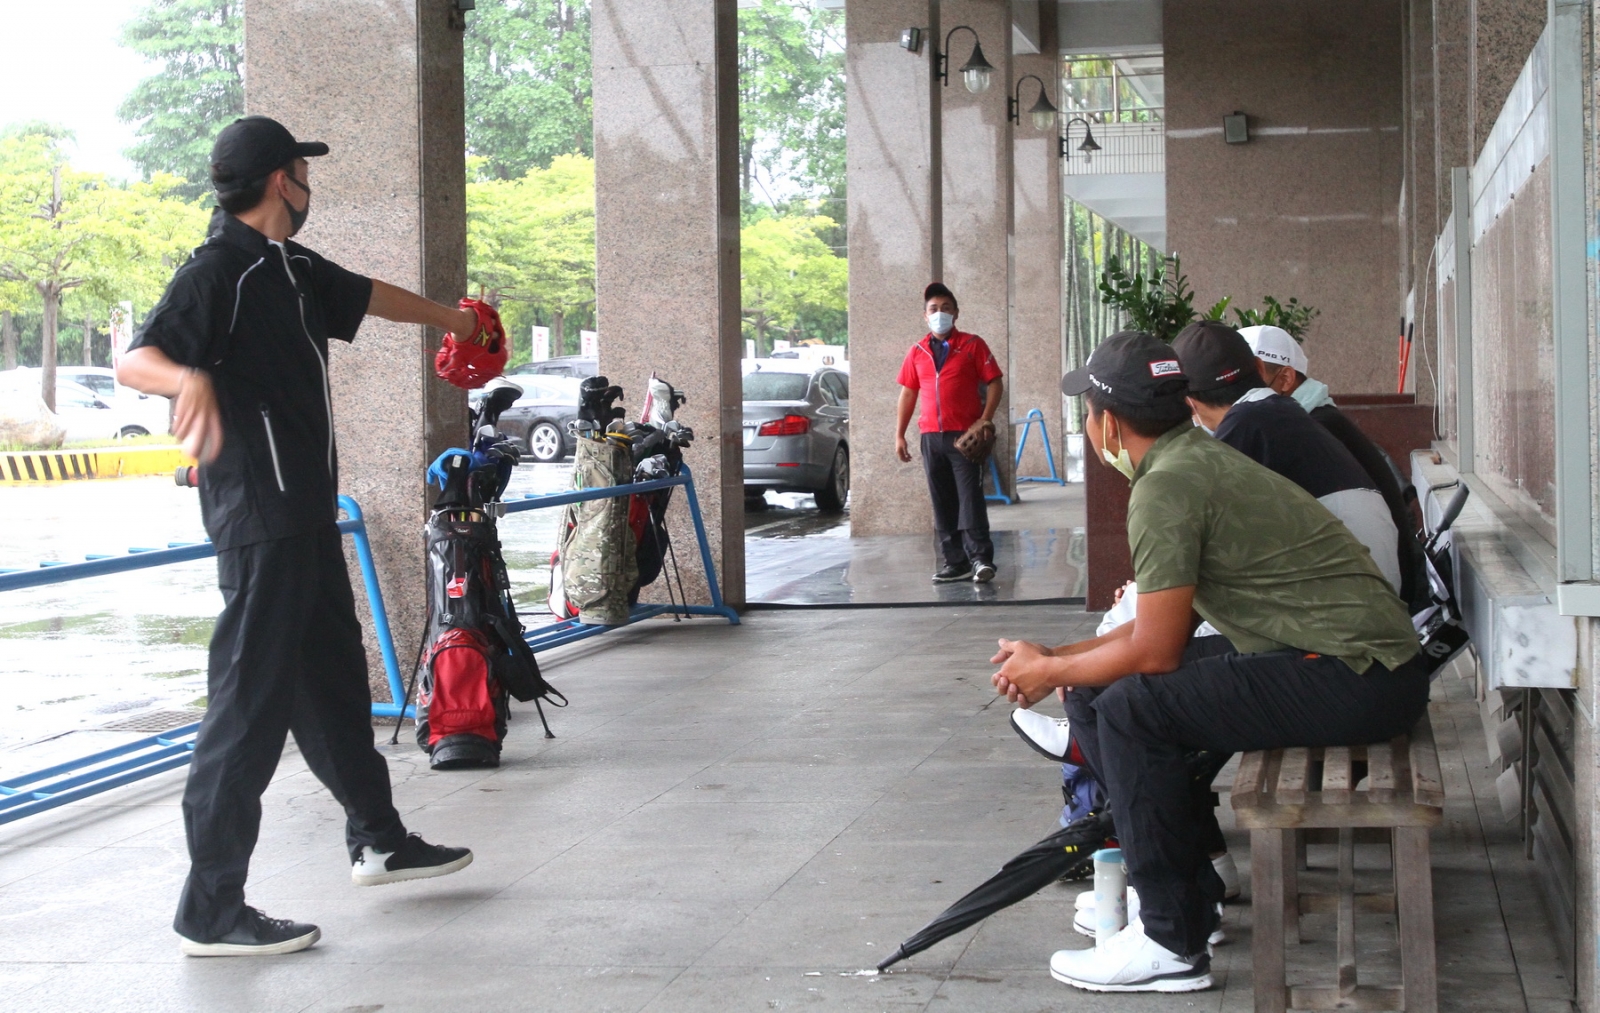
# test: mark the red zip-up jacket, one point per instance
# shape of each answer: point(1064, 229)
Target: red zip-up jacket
point(949, 396)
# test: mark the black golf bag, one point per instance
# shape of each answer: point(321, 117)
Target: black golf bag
point(473, 656)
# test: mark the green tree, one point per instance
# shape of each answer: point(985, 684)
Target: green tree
point(792, 278)
point(791, 108)
point(199, 45)
point(63, 231)
point(530, 241)
point(528, 84)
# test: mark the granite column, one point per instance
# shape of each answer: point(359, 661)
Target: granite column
point(390, 203)
point(893, 194)
point(978, 198)
point(666, 121)
point(1036, 338)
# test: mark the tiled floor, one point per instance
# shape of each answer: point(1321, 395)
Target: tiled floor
point(732, 818)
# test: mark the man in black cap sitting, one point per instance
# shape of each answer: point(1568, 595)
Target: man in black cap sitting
point(1325, 653)
point(240, 341)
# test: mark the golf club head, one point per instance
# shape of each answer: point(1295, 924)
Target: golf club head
point(502, 394)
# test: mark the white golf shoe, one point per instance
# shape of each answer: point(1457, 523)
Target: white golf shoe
point(1050, 737)
point(1229, 873)
point(1130, 961)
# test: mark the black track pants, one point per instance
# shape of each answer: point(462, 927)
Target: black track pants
point(960, 514)
point(286, 656)
point(1135, 732)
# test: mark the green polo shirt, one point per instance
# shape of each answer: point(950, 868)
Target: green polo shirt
point(1271, 567)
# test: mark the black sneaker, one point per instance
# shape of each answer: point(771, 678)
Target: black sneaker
point(951, 573)
point(255, 935)
point(414, 859)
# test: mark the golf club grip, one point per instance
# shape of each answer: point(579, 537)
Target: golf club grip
point(1453, 509)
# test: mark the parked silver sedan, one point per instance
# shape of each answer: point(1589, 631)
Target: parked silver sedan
point(797, 430)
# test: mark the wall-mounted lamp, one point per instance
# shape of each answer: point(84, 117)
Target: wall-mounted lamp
point(977, 73)
point(911, 40)
point(1236, 128)
point(1043, 113)
point(1088, 147)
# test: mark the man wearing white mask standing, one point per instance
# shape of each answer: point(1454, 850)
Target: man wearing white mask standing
point(948, 369)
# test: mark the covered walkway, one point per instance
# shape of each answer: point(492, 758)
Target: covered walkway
point(731, 819)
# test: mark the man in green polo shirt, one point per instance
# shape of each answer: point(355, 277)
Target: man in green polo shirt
point(1325, 653)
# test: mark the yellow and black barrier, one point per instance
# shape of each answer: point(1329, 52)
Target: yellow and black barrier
point(24, 466)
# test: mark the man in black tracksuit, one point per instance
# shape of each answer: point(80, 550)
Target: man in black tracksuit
point(240, 340)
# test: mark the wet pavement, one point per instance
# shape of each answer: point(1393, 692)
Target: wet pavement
point(796, 556)
point(128, 651)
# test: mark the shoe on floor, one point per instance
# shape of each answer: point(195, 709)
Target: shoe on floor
point(949, 573)
point(1130, 961)
point(1049, 737)
point(255, 935)
point(983, 573)
point(1230, 875)
point(414, 859)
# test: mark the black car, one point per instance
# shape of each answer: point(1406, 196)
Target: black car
point(538, 419)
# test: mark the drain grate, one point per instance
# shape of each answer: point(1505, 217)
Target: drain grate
point(155, 721)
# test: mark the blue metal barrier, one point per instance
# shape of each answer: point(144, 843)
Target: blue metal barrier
point(1035, 417)
point(570, 630)
point(79, 778)
point(999, 494)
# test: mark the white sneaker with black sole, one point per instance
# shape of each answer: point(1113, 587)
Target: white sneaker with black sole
point(255, 935)
point(414, 859)
point(1049, 737)
point(1130, 961)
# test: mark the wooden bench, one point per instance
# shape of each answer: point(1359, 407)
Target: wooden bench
point(1279, 794)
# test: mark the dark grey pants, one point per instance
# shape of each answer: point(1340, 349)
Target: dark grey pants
point(286, 656)
point(960, 514)
point(1135, 734)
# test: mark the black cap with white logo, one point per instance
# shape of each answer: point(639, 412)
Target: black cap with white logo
point(250, 149)
point(1215, 356)
point(1130, 368)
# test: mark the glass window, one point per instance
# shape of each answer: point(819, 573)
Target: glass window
point(838, 385)
point(764, 386)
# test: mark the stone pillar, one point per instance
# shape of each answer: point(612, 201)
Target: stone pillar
point(666, 120)
point(978, 198)
point(1036, 338)
point(390, 203)
point(1421, 181)
point(893, 232)
point(1452, 95)
point(1503, 34)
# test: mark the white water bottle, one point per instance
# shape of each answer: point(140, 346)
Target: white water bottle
point(1110, 894)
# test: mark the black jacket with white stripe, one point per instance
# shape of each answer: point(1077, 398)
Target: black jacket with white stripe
point(257, 316)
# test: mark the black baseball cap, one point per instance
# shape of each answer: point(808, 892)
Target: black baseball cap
point(1131, 368)
point(252, 148)
point(1215, 356)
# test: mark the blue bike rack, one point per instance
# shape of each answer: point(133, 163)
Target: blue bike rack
point(89, 775)
point(84, 776)
point(999, 494)
point(569, 630)
point(1035, 417)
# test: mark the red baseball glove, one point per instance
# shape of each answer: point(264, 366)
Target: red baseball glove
point(474, 360)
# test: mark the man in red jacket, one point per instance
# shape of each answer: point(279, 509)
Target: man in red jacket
point(960, 381)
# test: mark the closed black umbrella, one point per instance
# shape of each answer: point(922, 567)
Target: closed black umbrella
point(1023, 876)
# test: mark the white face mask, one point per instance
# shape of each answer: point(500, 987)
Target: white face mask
point(1201, 425)
point(1122, 462)
point(1312, 394)
point(940, 323)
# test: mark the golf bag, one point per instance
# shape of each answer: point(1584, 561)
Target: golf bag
point(473, 657)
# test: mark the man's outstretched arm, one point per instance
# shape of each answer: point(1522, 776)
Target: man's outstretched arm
point(393, 303)
point(1154, 645)
point(196, 419)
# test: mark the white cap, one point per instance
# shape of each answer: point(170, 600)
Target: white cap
point(1277, 346)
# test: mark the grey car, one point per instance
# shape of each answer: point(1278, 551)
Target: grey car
point(539, 418)
point(797, 431)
